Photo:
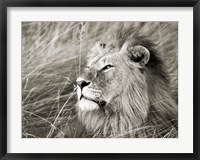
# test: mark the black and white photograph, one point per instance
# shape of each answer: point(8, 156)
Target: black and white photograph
point(99, 79)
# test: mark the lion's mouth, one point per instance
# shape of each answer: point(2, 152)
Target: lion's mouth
point(100, 103)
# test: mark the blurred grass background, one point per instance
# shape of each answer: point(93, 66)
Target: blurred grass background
point(53, 55)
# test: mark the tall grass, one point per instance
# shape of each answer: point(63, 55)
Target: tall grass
point(53, 55)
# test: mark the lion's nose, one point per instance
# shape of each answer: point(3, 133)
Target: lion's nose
point(82, 82)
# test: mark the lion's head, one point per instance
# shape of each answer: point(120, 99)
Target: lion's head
point(124, 87)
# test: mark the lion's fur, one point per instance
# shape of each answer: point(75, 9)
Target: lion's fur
point(146, 105)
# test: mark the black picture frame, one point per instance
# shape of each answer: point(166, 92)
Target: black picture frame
point(4, 4)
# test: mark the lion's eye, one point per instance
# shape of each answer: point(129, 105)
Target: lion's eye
point(107, 67)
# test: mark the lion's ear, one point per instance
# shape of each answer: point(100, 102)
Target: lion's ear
point(138, 54)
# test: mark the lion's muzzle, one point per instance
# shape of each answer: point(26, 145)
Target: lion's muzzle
point(91, 94)
point(89, 97)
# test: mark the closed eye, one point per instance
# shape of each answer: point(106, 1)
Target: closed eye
point(107, 67)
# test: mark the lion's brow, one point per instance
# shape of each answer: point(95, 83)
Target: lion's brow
point(96, 59)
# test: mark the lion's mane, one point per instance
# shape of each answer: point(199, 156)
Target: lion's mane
point(146, 108)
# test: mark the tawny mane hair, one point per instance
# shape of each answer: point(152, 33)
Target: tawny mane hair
point(146, 108)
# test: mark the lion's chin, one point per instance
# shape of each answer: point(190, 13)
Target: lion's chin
point(85, 104)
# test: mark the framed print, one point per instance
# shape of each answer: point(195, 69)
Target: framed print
point(99, 79)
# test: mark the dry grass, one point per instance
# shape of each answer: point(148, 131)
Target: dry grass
point(53, 54)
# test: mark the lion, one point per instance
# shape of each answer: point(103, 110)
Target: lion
point(124, 90)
